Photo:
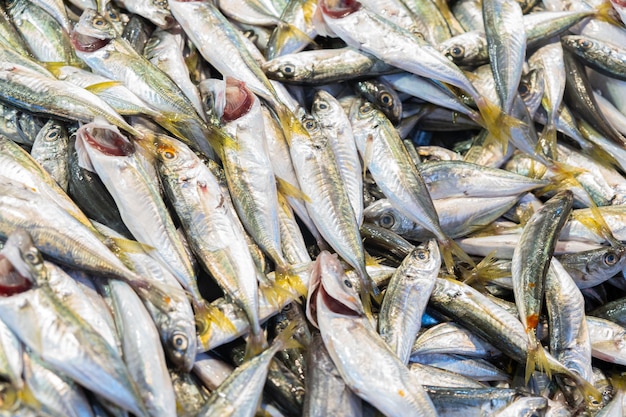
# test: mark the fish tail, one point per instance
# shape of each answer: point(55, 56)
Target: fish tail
point(208, 316)
point(256, 343)
point(288, 284)
point(283, 33)
point(367, 304)
point(290, 124)
point(498, 123)
point(285, 339)
point(592, 396)
point(546, 144)
point(606, 13)
point(449, 248)
point(536, 359)
point(485, 271)
point(566, 175)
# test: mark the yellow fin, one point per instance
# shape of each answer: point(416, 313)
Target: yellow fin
point(536, 359)
point(255, 344)
point(289, 279)
point(276, 293)
point(290, 124)
point(546, 145)
point(286, 340)
point(208, 316)
point(100, 87)
point(606, 13)
point(289, 190)
point(448, 248)
point(25, 396)
point(285, 32)
point(132, 246)
point(54, 67)
point(484, 271)
point(498, 123)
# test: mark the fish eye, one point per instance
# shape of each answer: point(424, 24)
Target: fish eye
point(310, 124)
point(347, 283)
point(98, 21)
point(31, 257)
point(422, 255)
point(179, 342)
point(610, 259)
point(523, 89)
point(386, 99)
point(322, 105)
point(366, 108)
point(387, 220)
point(53, 134)
point(288, 70)
point(585, 43)
point(456, 51)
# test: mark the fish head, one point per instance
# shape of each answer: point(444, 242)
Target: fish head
point(160, 15)
point(384, 215)
point(283, 68)
point(383, 96)
point(577, 43)
point(100, 139)
point(213, 93)
point(426, 256)
point(363, 112)
point(608, 261)
point(21, 264)
point(331, 286)
point(181, 345)
point(92, 32)
point(174, 157)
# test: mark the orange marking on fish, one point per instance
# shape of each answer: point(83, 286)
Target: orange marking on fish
point(532, 321)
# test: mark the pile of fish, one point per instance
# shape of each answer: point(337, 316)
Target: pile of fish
point(312, 208)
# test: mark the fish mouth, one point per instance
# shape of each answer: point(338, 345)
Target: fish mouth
point(11, 281)
point(239, 100)
point(87, 43)
point(108, 141)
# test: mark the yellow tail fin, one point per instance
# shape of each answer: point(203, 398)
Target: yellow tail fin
point(486, 270)
point(536, 359)
point(450, 248)
point(256, 343)
point(546, 144)
point(498, 123)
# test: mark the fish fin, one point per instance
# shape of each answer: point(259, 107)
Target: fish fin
point(276, 293)
point(25, 396)
point(566, 175)
point(546, 144)
point(289, 280)
point(486, 270)
point(590, 393)
point(100, 87)
point(132, 246)
point(595, 223)
point(605, 12)
point(55, 67)
point(289, 190)
point(285, 339)
point(208, 316)
point(366, 301)
point(255, 344)
point(498, 123)
point(284, 32)
point(289, 123)
point(537, 359)
point(449, 248)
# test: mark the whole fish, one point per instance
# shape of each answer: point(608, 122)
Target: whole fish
point(344, 328)
point(103, 149)
point(531, 260)
point(405, 300)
